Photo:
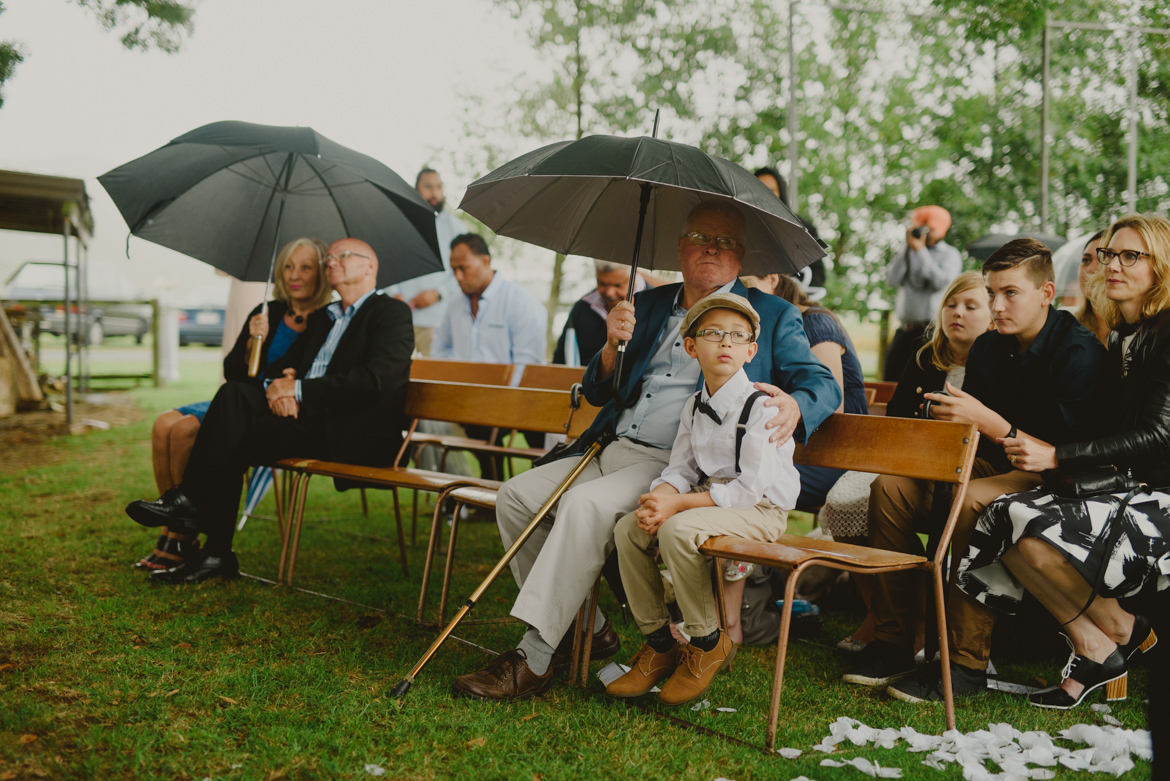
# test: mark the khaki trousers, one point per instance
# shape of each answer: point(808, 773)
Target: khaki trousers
point(422, 340)
point(558, 565)
point(898, 510)
point(678, 539)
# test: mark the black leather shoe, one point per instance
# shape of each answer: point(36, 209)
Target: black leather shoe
point(200, 569)
point(172, 509)
point(606, 643)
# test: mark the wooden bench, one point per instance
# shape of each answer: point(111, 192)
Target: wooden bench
point(922, 449)
point(461, 403)
point(482, 497)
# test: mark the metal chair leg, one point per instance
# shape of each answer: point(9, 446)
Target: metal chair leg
point(299, 517)
point(428, 563)
point(450, 565)
point(286, 530)
point(587, 651)
point(414, 517)
point(365, 505)
point(575, 658)
point(401, 534)
point(944, 650)
point(781, 656)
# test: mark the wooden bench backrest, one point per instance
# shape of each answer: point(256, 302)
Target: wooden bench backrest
point(439, 370)
point(551, 376)
point(884, 390)
point(923, 449)
point(495, 406)
point(870, 396)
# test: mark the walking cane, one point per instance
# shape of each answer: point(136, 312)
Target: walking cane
point(403, 686)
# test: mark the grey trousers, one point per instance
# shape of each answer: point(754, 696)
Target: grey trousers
point(561, 560)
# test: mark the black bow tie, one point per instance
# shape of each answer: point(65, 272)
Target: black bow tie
point(706, 409)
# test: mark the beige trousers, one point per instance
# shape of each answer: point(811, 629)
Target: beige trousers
point(558, 565)
point(422, 340)
point(678, 539)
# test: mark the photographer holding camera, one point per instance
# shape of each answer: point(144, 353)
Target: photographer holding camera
point(920, 273)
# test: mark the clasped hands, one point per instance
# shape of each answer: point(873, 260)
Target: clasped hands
point(282, 395)
point(658, 505)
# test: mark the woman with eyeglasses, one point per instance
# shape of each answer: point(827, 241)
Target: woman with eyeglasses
point(300, 288)
point(1078, 556)
point(1086, 315)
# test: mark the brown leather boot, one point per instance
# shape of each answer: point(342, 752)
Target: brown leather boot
point(696, 670)
point(508, 677)
point(647, 668)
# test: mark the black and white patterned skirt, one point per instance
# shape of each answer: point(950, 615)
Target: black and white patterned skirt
point(1076, 528)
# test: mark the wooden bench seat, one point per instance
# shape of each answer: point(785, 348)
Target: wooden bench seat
point(503, 407)
point(921, 449)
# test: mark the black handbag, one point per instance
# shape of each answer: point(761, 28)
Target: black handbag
point(1090, 481)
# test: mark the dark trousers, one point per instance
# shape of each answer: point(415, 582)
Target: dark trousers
point(903, 347)
point(239, 431)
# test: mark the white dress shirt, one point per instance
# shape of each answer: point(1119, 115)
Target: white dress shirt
point(447, 227)
point(706, 447)
point(509, 327)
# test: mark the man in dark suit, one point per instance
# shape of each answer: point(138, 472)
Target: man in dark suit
point(559, 564)
point(340, 398)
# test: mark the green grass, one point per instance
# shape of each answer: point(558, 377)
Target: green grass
point(114, 677)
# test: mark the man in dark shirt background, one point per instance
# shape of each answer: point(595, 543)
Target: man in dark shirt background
point(1036, 376)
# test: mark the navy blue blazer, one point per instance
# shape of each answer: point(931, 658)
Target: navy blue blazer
point(784, 359)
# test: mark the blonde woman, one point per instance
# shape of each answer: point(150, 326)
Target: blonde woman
point(299, 288)
point(1078, 555)
point(961, 319)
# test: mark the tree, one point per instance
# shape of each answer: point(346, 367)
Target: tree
point(610, 63)
point(142, 25)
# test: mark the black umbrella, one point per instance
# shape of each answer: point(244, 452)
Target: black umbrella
point(981, 249)
point(232, 193)
point(626, 199)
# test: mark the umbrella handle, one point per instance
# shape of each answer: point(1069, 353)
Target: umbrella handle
point(255, 344)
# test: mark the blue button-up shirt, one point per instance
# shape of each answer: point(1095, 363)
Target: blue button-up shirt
point(508, 327)
point(671, 378)
point(341, 321)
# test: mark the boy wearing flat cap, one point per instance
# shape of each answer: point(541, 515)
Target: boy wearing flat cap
point(724, 477)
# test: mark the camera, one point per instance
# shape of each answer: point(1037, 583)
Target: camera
point(928, 403)
point(921, 232)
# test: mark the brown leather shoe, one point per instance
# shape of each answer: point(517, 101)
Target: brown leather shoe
point(647, 668)
point(606, 643)
point(696, 669)
point(508, 677)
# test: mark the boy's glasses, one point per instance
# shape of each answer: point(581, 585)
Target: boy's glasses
point(716, 335)
point(703, 239)
point(1127, 257)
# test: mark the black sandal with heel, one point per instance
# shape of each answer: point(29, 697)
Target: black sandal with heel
point(170, 550)
point(1111, 673)
point(1142, 638)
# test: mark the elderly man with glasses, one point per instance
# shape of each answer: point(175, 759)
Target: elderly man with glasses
point(557, 567)
point(340, 398)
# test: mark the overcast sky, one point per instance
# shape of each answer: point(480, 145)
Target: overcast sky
point(379, 76)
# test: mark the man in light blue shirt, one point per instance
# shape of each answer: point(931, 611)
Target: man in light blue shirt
point(494, 320)
point(429, 294)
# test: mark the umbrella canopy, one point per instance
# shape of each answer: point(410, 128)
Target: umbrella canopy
point(232, 193)
point(583, 198)
point(981, 249)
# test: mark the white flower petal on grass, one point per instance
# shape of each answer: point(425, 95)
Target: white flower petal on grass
point(831, 763)
point(701, 705)
point(375, 770)
point(789, 753)
point(1042, 774)
point(726, 710)
point(1101, 707)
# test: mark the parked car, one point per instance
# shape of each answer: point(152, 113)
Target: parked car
point(42, 281)
point(201, 325)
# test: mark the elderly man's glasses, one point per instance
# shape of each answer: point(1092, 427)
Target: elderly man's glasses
point(716, 335)
point(703, 239)
point(345, 255)
point(1127, 257)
